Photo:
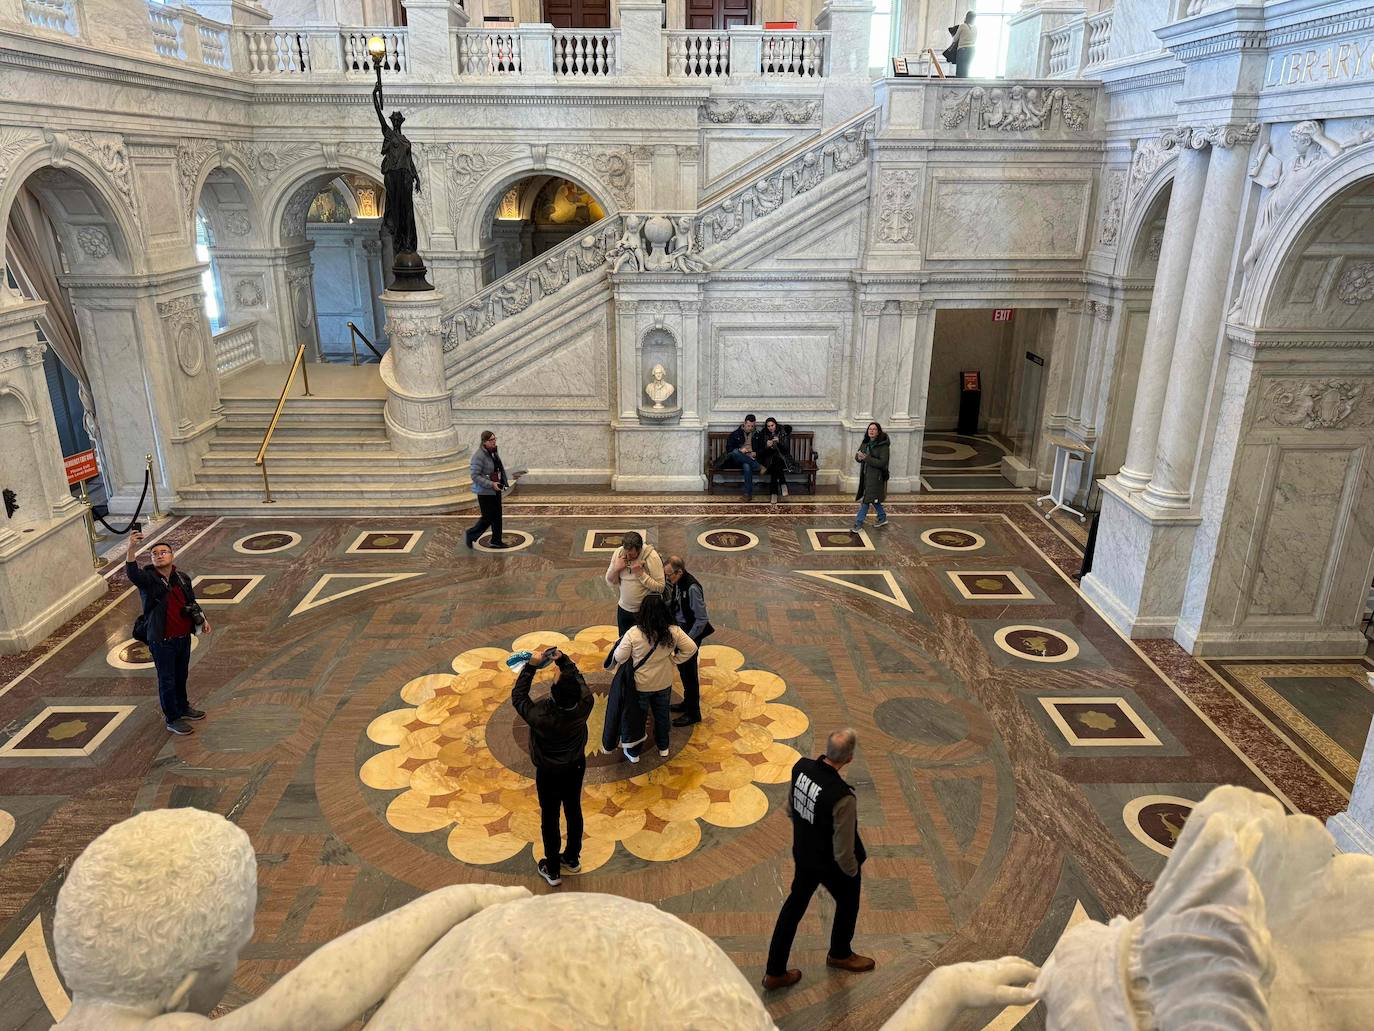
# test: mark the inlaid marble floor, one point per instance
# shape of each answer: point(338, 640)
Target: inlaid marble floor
point(1019, 763)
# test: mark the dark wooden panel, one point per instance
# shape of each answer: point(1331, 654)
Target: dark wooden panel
point(578, 14)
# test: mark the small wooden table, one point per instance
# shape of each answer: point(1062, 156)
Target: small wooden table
point(1066, 450)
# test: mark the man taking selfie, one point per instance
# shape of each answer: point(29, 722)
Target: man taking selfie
point(170, 616)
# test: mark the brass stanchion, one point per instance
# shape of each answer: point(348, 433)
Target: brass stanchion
point(266, 487)
point(97, 559)
point(152, 479)
point(305, 375)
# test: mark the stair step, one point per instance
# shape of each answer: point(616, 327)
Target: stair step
point(314, 406)
point(334, 472)
point(344, 493)
point(308, 458)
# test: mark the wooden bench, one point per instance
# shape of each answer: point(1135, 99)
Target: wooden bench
point(804, 457)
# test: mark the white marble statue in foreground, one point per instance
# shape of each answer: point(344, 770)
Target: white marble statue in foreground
point(1254, 926)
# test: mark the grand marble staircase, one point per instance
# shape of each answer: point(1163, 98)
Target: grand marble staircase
point(330, 452)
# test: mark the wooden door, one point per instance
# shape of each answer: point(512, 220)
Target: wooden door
point(578, 14)
point(717, 14)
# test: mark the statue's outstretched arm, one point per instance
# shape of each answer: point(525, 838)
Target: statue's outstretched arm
point(339, 982)
point(948, 991)
point(377, 106)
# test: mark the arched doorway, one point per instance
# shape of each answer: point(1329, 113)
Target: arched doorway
point(67, 243)
point(343, 223)
point(1288, 534)
point(534, 215)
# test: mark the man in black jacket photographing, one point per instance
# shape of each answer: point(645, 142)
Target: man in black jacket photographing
point(558, 749)
point(170, 616)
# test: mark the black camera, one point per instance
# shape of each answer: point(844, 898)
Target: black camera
point(194, 613)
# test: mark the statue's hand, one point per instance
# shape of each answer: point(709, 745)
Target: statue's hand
point(948, 991)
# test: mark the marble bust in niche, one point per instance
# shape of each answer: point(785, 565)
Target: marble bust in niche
point(658, 388)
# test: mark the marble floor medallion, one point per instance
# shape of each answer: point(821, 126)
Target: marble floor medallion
point(608, 540)
point(999, 585)
point(1156, 821)
point(1036, 643)
point(131, 654)
point(728, 539)
point(456, 754)
point(947, 451)
point(1100, 722)
point(517, 540)
point(949, 538)
point(214, 589)
point(839, 539)
point(62, 731)
point(269, 543)
point(394, 542)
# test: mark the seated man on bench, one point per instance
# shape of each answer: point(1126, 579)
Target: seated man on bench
point(742, 450)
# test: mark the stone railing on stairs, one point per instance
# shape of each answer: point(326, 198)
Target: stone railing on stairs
point(626, 241)
point(724, 215)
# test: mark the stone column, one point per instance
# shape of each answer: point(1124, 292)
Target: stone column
point(688, 176)
point(1180, 226)
point(1200, 318)
point(915, 345)
point(1354, 828)
point(419, 404)
point(45, 566)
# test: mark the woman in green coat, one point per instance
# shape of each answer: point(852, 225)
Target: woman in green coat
point(872, 459)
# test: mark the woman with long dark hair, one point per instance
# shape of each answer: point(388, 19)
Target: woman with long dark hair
point(776, 455)
point(872, 457)
point(660, 644)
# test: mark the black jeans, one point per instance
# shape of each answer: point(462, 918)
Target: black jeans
point(637, 711)
point(691, 688)
point(843, 888)
point(963, 57)
point(624, 620)
point(172, 660)
point(560, 789)
point(490, 507)
point(777, 474)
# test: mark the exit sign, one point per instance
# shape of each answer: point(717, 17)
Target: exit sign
point(1001, 314)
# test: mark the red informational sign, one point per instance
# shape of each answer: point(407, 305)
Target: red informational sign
point(80, 467)
point(971, 381)
point(1001, 314)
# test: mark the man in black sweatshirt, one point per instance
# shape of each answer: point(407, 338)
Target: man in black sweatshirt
point(558, 748)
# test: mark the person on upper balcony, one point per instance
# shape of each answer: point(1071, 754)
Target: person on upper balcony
point(960, 49)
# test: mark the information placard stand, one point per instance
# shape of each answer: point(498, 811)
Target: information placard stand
point(1065, 451)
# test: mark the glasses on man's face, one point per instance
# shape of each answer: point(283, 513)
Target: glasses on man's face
point(162, 551)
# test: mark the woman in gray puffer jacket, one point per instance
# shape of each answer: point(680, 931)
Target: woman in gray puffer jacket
point(872, 457)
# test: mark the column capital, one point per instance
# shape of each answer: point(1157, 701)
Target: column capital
point(1227, 134)
point(1100, 310)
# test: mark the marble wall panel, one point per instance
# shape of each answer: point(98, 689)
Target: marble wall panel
point(162, 221)
point(1022, 217)
point(569, 372)
point(553, 451)
point(1307, 501)
point(725, 150)
point(782, 367)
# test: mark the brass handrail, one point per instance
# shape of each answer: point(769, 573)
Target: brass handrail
point(261, 460)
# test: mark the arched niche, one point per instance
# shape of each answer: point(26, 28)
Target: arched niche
point(532, 217)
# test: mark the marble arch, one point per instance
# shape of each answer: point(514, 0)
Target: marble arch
point(13, 394)
point(298, 185)
point(1150, 208)
point(474, 221)
point(87, 186)
point(222, 188)
point(1258, 294)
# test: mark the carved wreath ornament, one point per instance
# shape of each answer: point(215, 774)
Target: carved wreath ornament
point(406, 332)
point(1314, 404)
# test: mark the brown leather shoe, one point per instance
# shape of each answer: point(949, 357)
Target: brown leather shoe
point(854, 964)
point(787, 980)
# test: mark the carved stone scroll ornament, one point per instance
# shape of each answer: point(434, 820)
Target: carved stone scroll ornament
point(106, 150)
point(192, 156)
point(613, 165)
point(1112, 209)
point(1014, 108)
point(1317, 404)
point(184, 317)
point(1198, 137)
point(13, 143)
point(1150, 154)
point(761, 112)
point(1356, 285)
point(896, 210)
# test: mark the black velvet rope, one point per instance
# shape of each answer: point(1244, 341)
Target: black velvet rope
point(147, 479)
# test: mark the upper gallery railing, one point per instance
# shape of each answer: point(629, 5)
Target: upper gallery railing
point(1099, 28)
point(55, 15)
point(320, 51)
point(1072, 48)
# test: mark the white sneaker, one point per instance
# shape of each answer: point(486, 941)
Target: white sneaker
point(784, 490)
point(663, 752)
point(632, 758)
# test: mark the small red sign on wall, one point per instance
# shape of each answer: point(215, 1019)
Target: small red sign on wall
point(1001, 314)
point(80, 467)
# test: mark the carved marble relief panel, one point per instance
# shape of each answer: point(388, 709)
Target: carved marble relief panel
point(762, 364)
point(1007, 218)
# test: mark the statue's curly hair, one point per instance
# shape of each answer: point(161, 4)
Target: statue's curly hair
point(155, 897)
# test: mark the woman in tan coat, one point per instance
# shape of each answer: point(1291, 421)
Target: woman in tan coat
point(660, 645)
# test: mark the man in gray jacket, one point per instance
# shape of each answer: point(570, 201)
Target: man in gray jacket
point(488, 481)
